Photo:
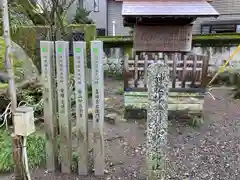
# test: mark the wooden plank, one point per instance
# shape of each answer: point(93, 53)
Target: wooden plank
point(178, 84)
point(167, 61)
point(163, 38)
point(81, 95)
point(153, 56)
point(155, 59)
point(177, 69)
point(98, 106)
point(126, 71)
point(194, 72)
point(174, 75)
point(199, 74)
point(205, 71)
point(184, 73)
point(136, 71)
point(50, 120)
point(65, 125)
point(145, 71)
point(173, 103)
point(186, 90)
point(171, 99)
point(170, 94)
point(182, 107)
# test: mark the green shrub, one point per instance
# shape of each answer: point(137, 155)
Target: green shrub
point(35, 150)
point(2, 55)
point(16, 63)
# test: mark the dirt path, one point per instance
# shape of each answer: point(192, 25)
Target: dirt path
point(211, 152)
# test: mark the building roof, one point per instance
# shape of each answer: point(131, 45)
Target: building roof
point(168, 8)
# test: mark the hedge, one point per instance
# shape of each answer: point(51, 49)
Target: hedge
point(201, 40)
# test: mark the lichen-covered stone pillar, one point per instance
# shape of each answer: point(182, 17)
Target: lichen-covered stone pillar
point(157, 120)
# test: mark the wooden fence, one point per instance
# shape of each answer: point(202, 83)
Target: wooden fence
point(186, 71)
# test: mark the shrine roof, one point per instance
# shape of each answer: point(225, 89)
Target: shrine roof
point(199, 8)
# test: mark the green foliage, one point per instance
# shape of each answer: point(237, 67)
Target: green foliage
point(35, 150)
point(81, 17)
point(236, 84)
point(17, 16)
point(224, 78)
point(75, 157)
point(197, 40)
point(17, 64)
point(230, 78)
point(131, 31)
point(3, 86)
point(28, 39)
point(120, 91)
point(89, 35)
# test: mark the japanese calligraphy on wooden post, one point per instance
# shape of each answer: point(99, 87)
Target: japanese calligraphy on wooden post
point(62, 60)
point(163, 38)
point(98, 105)
point(79, 51)
point(47, 52)
point(157, 117)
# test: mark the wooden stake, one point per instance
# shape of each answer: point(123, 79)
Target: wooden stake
point(80, 65)
point(98, 105)
point(50, 121)
point(65, 124)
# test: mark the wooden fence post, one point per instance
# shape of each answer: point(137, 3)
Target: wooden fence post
point(157, 117)
point(98, 105)
point(80, 65)
point(62, 62)
point(50, 121)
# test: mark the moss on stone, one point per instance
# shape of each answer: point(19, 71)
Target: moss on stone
point(128, 50)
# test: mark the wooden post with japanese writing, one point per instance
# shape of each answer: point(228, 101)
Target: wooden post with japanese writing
point(98, 105)
point(50, 121)
point(157, 120)
point(62, 63)
point(80, 65)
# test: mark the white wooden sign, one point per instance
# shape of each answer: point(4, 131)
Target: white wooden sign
point(98, 105)
point(80, 65)
point(62, 63)
point(50, 121)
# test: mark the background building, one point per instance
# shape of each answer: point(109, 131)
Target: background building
point(106, 13)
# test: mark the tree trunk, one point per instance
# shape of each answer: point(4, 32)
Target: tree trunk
point(11, 82)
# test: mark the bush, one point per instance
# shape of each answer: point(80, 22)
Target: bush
point(35, 150)
point(81, 17)
point(17, 64)
point(230, 78)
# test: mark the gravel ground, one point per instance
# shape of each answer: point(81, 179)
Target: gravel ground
point(210, 152)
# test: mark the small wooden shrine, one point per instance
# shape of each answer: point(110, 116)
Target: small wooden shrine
point(163, 33)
